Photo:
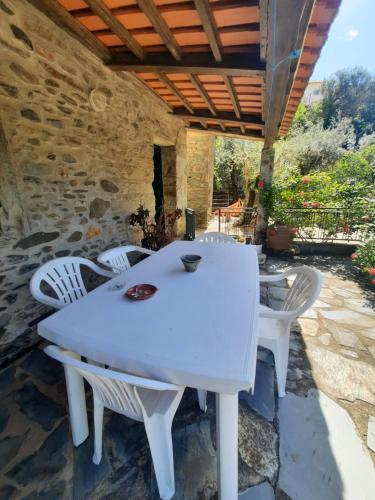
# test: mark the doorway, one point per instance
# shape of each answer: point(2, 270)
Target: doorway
point(157, 183)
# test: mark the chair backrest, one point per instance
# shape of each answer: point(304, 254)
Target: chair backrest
point(215, 238)
point(304, 290)
point(64, 276)
point(115, 390)
point(117, 257)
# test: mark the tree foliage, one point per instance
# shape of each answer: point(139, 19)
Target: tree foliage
point(350, 94)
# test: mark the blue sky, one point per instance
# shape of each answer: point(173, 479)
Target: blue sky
point(351, 40)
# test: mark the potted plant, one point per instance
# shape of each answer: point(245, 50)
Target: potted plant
point(280, 236)
point(155, 234)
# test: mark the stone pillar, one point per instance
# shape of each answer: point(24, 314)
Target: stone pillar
point(200, 175)
point(266, 173)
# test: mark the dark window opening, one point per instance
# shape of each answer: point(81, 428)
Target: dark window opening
point(158, 183)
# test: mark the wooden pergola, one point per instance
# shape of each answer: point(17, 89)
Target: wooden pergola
point(228, 67)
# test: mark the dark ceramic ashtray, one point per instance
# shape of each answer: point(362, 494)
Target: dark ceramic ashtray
point(191, 262)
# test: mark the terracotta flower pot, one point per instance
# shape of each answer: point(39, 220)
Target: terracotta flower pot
point(279, 237)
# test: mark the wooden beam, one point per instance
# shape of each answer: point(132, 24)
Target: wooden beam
point(263, 14)
point(232, 94)
point(196, 64)
point(161, 27)
point(62, 19)
point(152, 92)
point(184, 5)
point(175, 92)
point(222, 126)
point(225, 117)
point(101, 10)
point(202, 92)
point(251, 136)
point(208, 21)
point(292, 20)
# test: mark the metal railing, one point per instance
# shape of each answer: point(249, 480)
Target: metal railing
point(238, 222)
point(190, 224)
point(312, 224)
point(329, 224)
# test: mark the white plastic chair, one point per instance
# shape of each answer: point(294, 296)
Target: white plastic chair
point(117, 258)
point(215, 238)
point(274, 326)
point(64, 276)
point(149, 401)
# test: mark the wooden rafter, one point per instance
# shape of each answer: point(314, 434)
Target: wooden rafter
point(252, 135)
point(232, 94)
point(185, 5)
point(208, 21)
point(62, 18)
point(203, 93)
point(161, 27)
point(166, 81)
point(101, 10)
point(292, 23)
point(226, 117)
point(197, 63)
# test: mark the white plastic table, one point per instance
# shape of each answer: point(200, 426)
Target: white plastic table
point(198, 330)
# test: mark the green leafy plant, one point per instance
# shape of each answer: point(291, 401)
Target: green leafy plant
point(364, 257)
point(155, 234)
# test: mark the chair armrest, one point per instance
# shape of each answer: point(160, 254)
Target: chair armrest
point(265, 312)
point(263, 278)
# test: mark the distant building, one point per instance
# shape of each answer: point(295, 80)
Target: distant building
point(313, 93)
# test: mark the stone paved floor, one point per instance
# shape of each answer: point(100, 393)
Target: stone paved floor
point(310, 445)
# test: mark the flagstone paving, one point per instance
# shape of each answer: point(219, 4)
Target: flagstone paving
point(318, 442)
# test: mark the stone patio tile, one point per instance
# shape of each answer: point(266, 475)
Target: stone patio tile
point(370, 334)
point(310, 313)
point(195, 461)
point(309, 327)
point(349, 318)
point(344, 336)
point(351, 354)
point(371, 433)
point(4, 417)
point(344, 292)
point(319, 304)
point(360, 306)
point(263, 491)
point(258, 444)
point(43, 367)
point(278, 293)
point(6, 379)
point(46, 463)
point(325, 339)
point(35, 405)
point(9, 448)
point(342, 377)
point(321, 453)
point(263, 399)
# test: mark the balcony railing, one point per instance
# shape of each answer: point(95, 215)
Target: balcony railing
point(312, 224)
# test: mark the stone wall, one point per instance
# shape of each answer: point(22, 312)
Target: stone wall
point(200, 165)
point(70, 175)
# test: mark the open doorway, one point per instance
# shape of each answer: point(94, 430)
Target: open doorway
point(157, 183)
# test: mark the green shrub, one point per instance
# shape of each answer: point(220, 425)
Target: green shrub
point(364, 257)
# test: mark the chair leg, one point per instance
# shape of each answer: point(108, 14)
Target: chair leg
point(159, 434)
point(98, 428)
point(281, 355)
point(202, 399)
point(77, 405)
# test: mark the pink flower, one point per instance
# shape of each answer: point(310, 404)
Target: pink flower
point(354, 256)
point(306, 180)
point(371, 271)
point(306, 203)
point(302, 193)
point(260, 184)
point(373, 281)
point(316, 204)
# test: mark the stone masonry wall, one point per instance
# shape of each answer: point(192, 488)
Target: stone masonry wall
point(69, 175)
point(200, 164)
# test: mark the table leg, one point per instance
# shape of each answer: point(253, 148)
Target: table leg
point(77, 405)
point(227, 445)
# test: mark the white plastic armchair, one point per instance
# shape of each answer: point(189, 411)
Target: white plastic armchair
point(64, 276)
point(117, 258)
point(149, 401)
point(274, 326)
point(215, 238)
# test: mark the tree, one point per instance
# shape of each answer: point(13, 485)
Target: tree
point(236, 164)
point(350, 93)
